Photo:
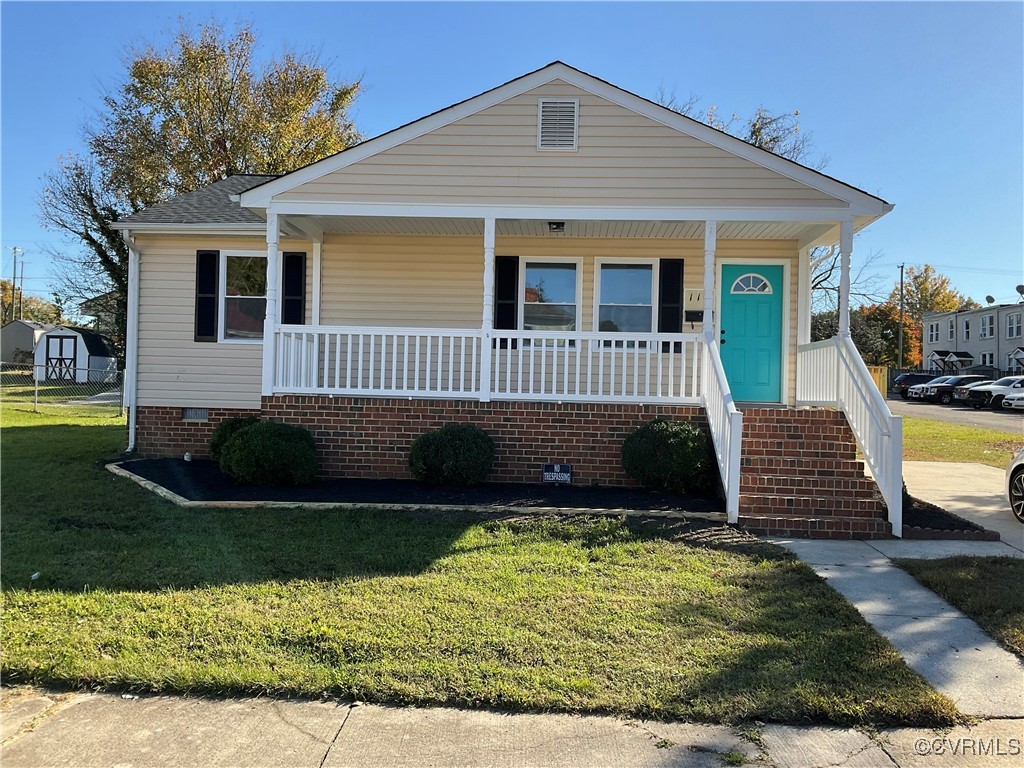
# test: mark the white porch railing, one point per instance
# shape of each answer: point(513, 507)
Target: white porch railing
point(726, 423)
point(831, 372)
point(523, 365)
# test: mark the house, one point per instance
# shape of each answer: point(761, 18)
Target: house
point(556, 260)
point(984, 340)
point(18, 340)
point(75, 355)
point(103, 308)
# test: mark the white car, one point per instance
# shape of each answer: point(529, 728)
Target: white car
point(991, 395)
point(917, 391)
point(1014, 402)
point(1015, 484)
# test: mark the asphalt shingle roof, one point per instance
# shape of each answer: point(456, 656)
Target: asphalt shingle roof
point(209, 205)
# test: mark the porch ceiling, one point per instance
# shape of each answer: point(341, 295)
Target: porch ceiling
point(382, 225)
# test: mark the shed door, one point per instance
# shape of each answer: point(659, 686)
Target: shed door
point(61, 352)
point(751, 331)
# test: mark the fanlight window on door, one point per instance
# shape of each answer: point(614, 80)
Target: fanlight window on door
point(751, 283)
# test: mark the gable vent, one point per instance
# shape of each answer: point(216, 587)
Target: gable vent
point(557, 123)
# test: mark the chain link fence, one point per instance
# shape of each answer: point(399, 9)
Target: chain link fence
point(52, 389)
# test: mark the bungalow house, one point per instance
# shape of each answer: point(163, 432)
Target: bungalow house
point(556, 260)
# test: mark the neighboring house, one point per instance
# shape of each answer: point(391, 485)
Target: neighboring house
point(103, 308)
point(18, 340)
point(988, 339)
point(75, 355)
point(556, 260)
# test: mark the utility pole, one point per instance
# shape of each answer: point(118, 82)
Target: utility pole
point(14, 279)
point(21, 293)
point(901, 318)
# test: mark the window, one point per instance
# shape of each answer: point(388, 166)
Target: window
point(952, 329)
point(550, 291)
point(625, 297)
point(987, 328)
point(751, 283)
point(244, 297)
point(967, 329)
point(1013, 325)
point(933, 332)
point(988, 358)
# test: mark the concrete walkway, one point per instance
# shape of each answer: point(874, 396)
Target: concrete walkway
point(94, 730)
point(942, 644)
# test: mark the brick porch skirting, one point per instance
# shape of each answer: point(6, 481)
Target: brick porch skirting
point(371, 437)
point(160, 431)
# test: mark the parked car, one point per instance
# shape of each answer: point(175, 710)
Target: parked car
point(905, 380)
point(1015, 484)
point(916, 392)
point(960, 393)
point(1014, 402)
point(943, 393)
point(992, 394)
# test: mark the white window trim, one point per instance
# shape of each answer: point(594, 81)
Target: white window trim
point(983, 325)
point(933, 327)
point(987, 358)
point(626, 261)
point(222, 284)
point(1016, 327)
point(952, 329)
point(575, 127)
point(524, 261)
point(967, 329)
point(732, 292)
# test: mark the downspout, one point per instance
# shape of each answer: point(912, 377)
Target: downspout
point(131, 352)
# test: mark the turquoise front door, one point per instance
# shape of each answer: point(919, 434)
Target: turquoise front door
point(750, 331)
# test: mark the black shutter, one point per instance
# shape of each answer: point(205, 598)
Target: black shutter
point(506, 294)
point(207, 273)
point(293, 300)
point(670, 299)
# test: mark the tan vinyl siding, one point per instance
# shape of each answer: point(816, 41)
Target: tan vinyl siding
point(623, 159)
point(175, 370)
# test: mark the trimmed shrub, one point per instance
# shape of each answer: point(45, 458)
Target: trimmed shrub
point(908, 500)
point(268, 453)
point(225, 431)
point(455, 454)
point(668, 456)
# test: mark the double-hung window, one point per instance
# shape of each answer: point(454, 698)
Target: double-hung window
point(243, 295)
point(952, 329)
point(933, 332)
point(550, 295)
point(1013, 325)
point(987, 327)
point(988, 358)
point(967, 329)
point(626, 296)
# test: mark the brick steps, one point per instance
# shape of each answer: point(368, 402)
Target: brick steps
point(800, 476)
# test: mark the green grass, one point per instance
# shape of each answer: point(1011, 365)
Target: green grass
point(988, 589)
point(928, 440)
point(585, 614)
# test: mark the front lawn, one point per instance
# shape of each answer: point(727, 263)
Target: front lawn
point(928, 440)
point(635, 617)
point(988, 589)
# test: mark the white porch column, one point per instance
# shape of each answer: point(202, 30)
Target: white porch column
point(273, 316)
point(803, 315)
point(710, 243)
point(487, 321)
point(845, 249)
point(318, 247)
point(131, 342)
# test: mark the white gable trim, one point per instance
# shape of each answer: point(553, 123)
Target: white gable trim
point(860, 203)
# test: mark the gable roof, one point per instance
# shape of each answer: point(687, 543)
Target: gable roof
point(260, 195)
point(211, 204)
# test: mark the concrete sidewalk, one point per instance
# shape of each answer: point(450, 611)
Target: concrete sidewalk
point(93, 730)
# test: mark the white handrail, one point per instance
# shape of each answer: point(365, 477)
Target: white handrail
point(726, 422)
point(832, 372)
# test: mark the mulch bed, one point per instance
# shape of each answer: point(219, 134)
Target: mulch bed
point(202, 480)
point(927, 521)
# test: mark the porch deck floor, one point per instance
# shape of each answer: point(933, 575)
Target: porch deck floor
point(202, 481)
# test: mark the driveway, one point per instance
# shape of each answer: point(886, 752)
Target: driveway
point(1004, 421)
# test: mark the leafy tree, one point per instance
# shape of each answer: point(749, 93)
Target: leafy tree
point(875, 332)
point(32, 307)
point(926, 290)
point(194, 112)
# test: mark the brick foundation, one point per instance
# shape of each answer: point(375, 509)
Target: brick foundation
point(370, 437)
point(160, 431)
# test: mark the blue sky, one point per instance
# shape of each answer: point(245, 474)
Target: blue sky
point(920, 103)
